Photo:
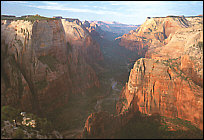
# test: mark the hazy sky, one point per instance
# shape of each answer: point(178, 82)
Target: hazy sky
point(128, 12)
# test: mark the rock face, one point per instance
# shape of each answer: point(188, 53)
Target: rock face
point(96, 125)
point(156, 87)
point(156, 32)
point(104, 125)
point(170, 82)
point(45, 61)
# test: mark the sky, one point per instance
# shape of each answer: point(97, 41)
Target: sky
point(127, 12)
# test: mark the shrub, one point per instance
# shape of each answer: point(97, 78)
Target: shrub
point(43, 125)
point(33, 18)
point(9, 113)
point(18, 134)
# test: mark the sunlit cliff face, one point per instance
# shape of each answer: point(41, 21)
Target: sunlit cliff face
point(169, 82)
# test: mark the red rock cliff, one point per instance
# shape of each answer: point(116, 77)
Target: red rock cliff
point(157, 87)
point(170, 82)
point(154, 32)
point(44, 62)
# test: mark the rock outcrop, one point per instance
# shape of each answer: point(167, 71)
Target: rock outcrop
point(9, 131)
point(104, 125)
point(157, 87)
point(44, 61)
point(156, 32)
point(169, 81)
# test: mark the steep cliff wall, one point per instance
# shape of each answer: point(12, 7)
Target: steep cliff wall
point(171, 82)
point(156, 87)
point(45, 61)
point(79, 37)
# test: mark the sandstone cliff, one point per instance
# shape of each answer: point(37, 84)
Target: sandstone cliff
point(170, 82)
point(156, 87)
point(44, 61)
point(156, 32)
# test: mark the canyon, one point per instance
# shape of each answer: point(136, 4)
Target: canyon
point(97, 79)
point(168, 82)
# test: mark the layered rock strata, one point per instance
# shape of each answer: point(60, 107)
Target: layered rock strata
point(44, 61)
point(157, 88)
point(169, 81)
point(156, 32)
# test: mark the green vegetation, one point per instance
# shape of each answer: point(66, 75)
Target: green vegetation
point(123, 101)
point(200, 45)
point(34, 18)
point(29, 18)
point(50, 61)
point(9, 113)
point(42, 124)
point(139, 127)
point(8, 18)
point(143, 127)
point(191, 132)
point(18, 134)
point(171, 64)
point(74, 114)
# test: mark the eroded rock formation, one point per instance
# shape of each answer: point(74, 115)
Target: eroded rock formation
point(156, 87)
point(44, 61)
point(168, 82)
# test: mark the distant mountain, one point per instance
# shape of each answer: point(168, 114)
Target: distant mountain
point(115, 27)
point(108, 30)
